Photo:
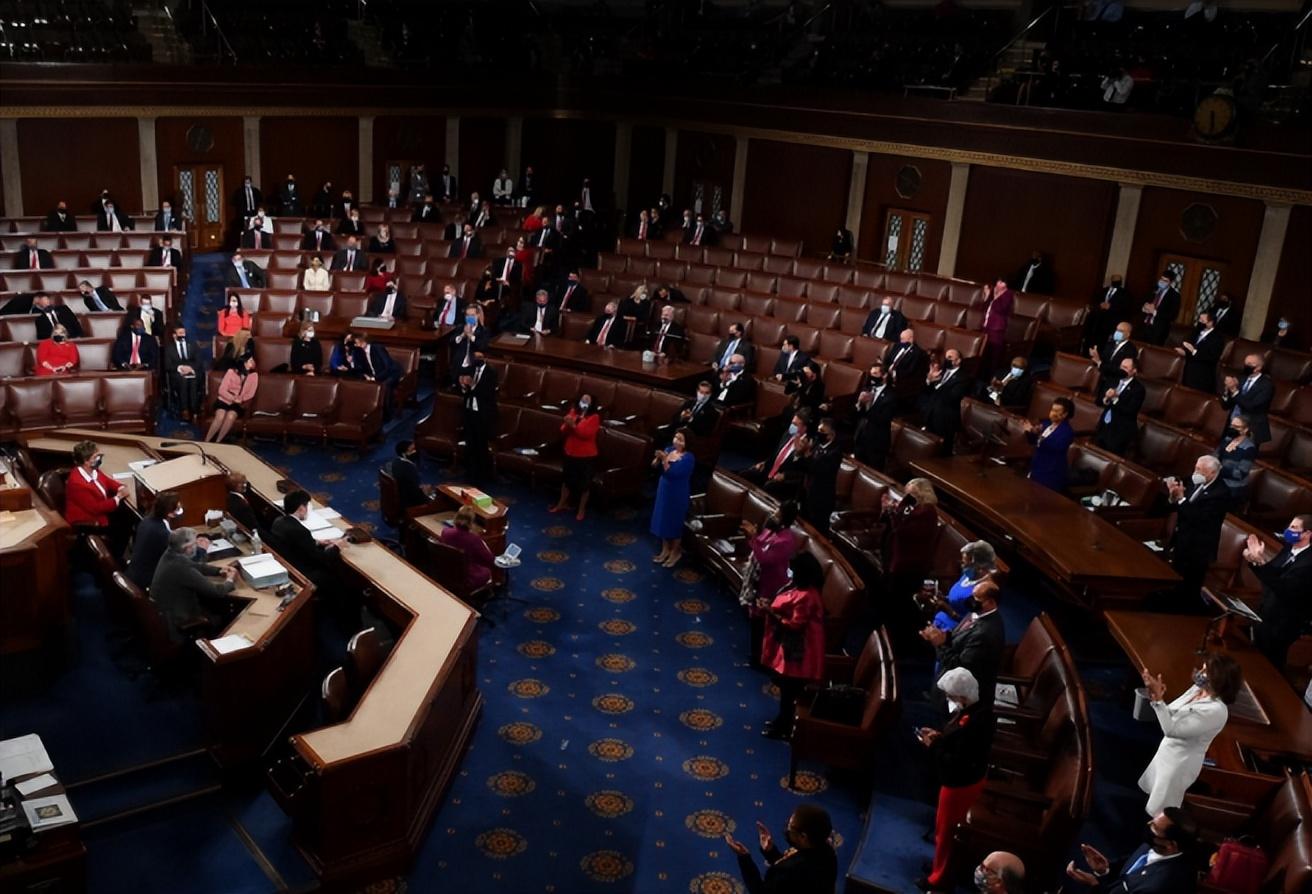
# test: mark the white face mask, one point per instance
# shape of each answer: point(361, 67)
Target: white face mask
point(1198, 479)
point(953, 707)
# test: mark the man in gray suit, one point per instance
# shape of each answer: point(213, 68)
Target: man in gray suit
point(181, 584)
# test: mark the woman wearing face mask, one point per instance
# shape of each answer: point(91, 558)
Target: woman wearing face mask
point(773, 545)
point(977, 566)
point(379, 276)
point(793, 647)
point(345, 360)
point(233, 318)
point(152, 538)
point(90, 496)
point(1189, 724)
point(239, 348)
point(235, 391)
point(316, 278)
point(960, 751)
point(673, 493)
point(307, 353)
point(580, 428)
point(382, 243)
point(910, 526)
point(56, 355)
point(1237, 454)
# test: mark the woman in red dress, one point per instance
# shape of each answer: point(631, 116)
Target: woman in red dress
point(793, 647)
point(536, 220)
point(379, 276)
point(580, 428)
point(56, 355)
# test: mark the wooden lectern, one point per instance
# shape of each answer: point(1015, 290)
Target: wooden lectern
point(200, 482)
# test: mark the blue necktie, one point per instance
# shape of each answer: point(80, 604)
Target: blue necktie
point(100, 305)
point(241, 274)
point(1137, 864)
point(728, 353)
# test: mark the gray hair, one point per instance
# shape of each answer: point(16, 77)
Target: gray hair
point(979, 553)
point(183, 540)
point(1210, 463)
point(961, 683)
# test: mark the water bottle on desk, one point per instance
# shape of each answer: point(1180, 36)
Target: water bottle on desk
point(257, 545)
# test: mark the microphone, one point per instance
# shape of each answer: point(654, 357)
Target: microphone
point(204, 458)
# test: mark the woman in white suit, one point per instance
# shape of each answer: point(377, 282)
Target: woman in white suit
point(1189, 724)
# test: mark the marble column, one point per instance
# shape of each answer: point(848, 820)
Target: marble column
point(947, 256)
point(1262, 282)
point(9, 167)
point(1127, 218)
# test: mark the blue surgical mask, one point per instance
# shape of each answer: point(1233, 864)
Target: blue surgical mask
point(1017, 372)
point(884, 309)
point(1290, 536)
point(792, 429)
point(471, 321)
point(583, 405)
point(1200, 678)
point(1118, 336)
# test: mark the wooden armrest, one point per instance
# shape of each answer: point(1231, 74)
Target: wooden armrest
point(1015, 680)
point(1241, 788)
point(1019, 795)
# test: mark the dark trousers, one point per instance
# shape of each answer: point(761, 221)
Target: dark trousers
point(478, 459)
point(790, 689)
point(186, 392)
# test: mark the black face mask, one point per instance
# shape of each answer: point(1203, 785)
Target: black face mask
point(59, 338)
point(876, 380)
point(1249, 369)
point(1122, 374)
point(973, 604)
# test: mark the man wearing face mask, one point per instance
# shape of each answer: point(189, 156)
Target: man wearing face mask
point(1119, 423)
point(884, 321)
point(151, 319)
point(152, 538)
point(737, 387)
point(49, 315)
point(1200, 509)
point(238, 505)
point(1227, 316)
point(467, 343)
point(60, 220)
point(905, 365)
point(1286, 580)
point(1201, 353)
point(1160, 311)
point(318, 238)
point(289, 199)
point(698, 414)
point(135, 348)
point(946, 386)
point(1014, 389)
point(1109, 358)
point(1281, 335)
point(1159, 866)
point(875, 408)
point(976, 643)
point(782, 473)
point(405, 473)
point(809, 866)
point(607, 329)
point(1000, 872)
point(183, 371)
point(820, 485)
point(478, 384)
point(166, 221)
point(1251, 398)
point(1110, 305)
point(734, 343)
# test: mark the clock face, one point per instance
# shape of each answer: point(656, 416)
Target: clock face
point(200, 138)
point(1214, 116)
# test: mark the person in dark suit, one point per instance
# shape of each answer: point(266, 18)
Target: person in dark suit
point(289, 198)
point(346, 206)
point(1013, 390)
point(539, 316)
point(98, 298)
point(1160, 311)
point(479, 387)
point(606, 329)
point(976, 643)
point(807, 391)
point(322, 203)
point(809, 865)
point(572, 295)
point(151, 318)
point(697, 232)
point(546, 239)
point(734, 343)
point(737, 386)
point(1227, 316)
point(1200, 507)
point(1051, 442)
point(238, 505)
point(48, 315)
point(1251, 398)
point(820, 486)
point(60, 220)
point(247, 199)
point(668, 294)
point(135, 348)
point(875, 408)
point(791, 360)
point(1286, 580)
point(1034, 276)
point(164, 255)
point(298, 546)
point(111, 219)
point(151, 540)
point(183, 371)
point(1108, 306)
point(961, 758)
point(468, 245)
point(31, 257)
point(181, 586)
point(20, 304)
point(667, 337)
point(842, 246)
point(1202, 352)
point(351, 225)
point(885, 321)
point(467, 343)
point(242, 273)
point(946, 387)
point(350, 257)
point(1119, 423)
point(376, 365)
point(446, 184)
point(781, 473)
point(508, 274)
point(427, 212)
point(1118, 347)
point(406, 475)
point(165, 220)
point(906, 364)
point(388, 303)
point(698, 414)
point(642, 228)
point(1160, 866)
point(318, 238)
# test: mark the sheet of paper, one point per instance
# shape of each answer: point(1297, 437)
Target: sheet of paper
point(260, 564)
point(36, 784)
point(313, 521)
point(323, 535)
point(219, 545)
point(123, 476)
point(24, 756)
point(327, 512)
point(225, 644)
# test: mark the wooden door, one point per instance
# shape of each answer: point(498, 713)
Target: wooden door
point(1200, 282)
point(905, 236)
point(203, 203)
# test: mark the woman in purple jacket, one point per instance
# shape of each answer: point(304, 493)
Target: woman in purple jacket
point(773, 546)
point(1051, 442)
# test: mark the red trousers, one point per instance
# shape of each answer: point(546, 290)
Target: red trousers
point(953, 805)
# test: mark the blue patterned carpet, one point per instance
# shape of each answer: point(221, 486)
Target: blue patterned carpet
point(618, 742)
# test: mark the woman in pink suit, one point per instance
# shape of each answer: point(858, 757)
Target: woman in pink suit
point(997, 312)
point(772, 546)
point(793, 648)
point(462, 536)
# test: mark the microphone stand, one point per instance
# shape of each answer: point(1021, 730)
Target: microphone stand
point(204, 457)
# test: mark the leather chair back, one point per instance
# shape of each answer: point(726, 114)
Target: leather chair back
point(365, 652)
point(389, 499)
point(335, 697)
point(77, 402)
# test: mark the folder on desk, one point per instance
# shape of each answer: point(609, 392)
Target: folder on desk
point(313, 521)
point(262, 571)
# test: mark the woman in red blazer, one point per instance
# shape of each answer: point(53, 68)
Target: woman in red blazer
point(90, 496)
point(580, 428)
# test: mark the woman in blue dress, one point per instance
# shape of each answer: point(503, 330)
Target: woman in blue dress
point(673, 492)
point(977, 566)
point(1051, 442)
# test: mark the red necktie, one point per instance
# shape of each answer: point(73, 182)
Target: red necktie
point(34, 260)
point(697, 237)
point(564, 303)
point(605, 330)
point(642, 230)
point(782, 457)
point(135, 359)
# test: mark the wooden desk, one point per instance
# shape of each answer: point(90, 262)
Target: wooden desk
point(1166, 644)
point(371, 783)
point(56, 864)
point(551, 350)
point(493, 518)
point(200, 483)
point(406, 333)
point(35, 599)
point(1091, 560)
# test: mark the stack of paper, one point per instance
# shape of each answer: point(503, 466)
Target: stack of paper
point(314, 521)
point(140, 465)
point(262, 571)
point(23, 756)
point(225, 644)
point(323, 535)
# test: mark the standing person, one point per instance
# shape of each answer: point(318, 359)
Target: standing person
point(997, 314)
point(820, 483)
point(809, 866)
point(1052, 441)
point(793, 647)
point(1286, 580)
point(961, 758)
point(673, 494)
point(1160, 311)
point(910, 526)
point(1200, 509)
point(1251, 398)
point(580, 428)
point(1201, 354)
point(479, 386)
point(1118, 425)
point(462, 536)
point(946, 388)
point(235, 391)
point(977, 643)
point(1189, 724)
point(1237, 454)
point(772, 546)
point(875, 408)
point(978, 562)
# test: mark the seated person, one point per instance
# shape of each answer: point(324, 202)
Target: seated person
point(389, 303)
point(236, 391)
point(736, 384)
point(405, 473)
point(254, 235)
point(294, 540)
point(1013, 390)
point(135, 349)
point(318, 238)
point(316, 277)
point(351, 257)
point(164, 254)
point(181, 586)
point(462, 536)
point(885, 321)
point(376, 364)
point(243, 274)
point(539, 317)
point(184, 370)
point(149, 315)
point(667, 337)
point(667, 294)
point(307, 352)
point(90, 496)
point(791, 359)
point(98, 298)
point(238, 503)
point(381, 242)
point(56, 355)
point(49, 315)
point(152, 538)
point(345, 359)
point(607, 329)
point(379, 276)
